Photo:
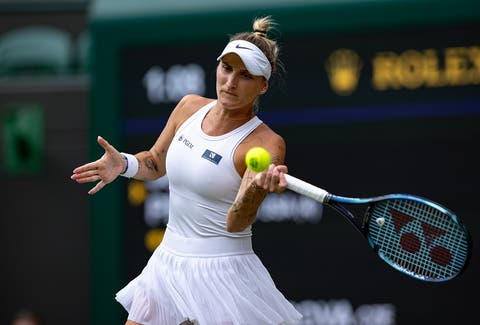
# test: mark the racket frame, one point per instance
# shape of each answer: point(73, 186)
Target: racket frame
point(361, 223)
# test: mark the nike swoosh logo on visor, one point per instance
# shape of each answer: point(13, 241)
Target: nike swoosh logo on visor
point(242, 47)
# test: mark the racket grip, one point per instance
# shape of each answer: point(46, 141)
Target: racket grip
point(307, 189)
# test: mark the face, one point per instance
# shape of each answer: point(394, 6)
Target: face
point(236, 87)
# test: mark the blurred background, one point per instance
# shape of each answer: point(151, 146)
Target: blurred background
point(377, 97)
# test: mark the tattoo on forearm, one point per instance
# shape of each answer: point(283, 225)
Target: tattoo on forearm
point(245, 217)
point(151, 165)
point(244, 209)
point(148, 162)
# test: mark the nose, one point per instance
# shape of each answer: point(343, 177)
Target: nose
point(232, 81)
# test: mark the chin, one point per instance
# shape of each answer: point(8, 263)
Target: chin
point(226, 101)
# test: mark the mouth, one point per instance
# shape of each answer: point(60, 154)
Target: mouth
point(229, 93)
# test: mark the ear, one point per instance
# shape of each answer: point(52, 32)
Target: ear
point(264, 89)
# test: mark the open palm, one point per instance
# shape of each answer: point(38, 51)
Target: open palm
point(105, 170)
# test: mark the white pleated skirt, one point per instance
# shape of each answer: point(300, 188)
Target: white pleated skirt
point(209, 281)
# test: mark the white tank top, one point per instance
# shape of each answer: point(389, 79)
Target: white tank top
point(203, 181)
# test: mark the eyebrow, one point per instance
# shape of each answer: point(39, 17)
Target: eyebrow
point(231, 66)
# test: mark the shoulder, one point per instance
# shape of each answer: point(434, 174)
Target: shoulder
point(193, 100)
point(267, 138)
point(191, 103)
point(187, 106)
point(266, 135)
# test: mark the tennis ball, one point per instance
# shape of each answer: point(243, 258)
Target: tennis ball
point(258, 159)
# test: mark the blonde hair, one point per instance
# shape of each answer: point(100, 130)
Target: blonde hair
point(259, 37)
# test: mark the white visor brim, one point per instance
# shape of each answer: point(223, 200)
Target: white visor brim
point(255, 61)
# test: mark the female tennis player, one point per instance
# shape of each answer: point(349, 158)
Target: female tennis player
point(205, 270)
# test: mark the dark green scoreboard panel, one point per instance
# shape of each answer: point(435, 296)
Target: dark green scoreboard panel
point(367, 106)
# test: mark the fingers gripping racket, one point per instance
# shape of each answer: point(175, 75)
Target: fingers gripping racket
point(414, 235)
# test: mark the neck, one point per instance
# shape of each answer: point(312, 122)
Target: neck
point(220, 121)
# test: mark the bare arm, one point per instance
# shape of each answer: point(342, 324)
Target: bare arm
point(151, 163)
point(256, 186)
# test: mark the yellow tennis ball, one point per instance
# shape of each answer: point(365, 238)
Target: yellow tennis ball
point(258, 159)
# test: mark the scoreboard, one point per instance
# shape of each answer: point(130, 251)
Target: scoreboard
point(367, 106)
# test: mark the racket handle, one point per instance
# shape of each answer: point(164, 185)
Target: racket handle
point(307, 189)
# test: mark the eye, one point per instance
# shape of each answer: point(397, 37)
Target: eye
point(247, 75)
point(226, 67)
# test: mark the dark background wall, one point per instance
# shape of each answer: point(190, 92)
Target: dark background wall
point(44, 219)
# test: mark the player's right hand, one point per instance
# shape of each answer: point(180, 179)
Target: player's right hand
point(105, 170)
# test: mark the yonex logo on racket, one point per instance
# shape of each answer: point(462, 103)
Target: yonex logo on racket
point(410, 242)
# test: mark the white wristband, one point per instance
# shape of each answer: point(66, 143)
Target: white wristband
point(132, 165)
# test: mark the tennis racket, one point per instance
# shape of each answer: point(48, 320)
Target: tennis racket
point(412, 234)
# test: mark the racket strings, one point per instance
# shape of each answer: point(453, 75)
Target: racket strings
point(418, 239)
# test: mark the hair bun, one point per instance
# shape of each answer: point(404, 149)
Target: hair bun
point(261, 32)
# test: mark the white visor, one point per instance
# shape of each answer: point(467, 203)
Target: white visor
point(255, 61)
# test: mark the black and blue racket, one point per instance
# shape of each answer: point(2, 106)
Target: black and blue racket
point(414, 235)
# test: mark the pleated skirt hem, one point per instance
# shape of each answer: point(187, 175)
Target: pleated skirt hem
point(210, 281)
